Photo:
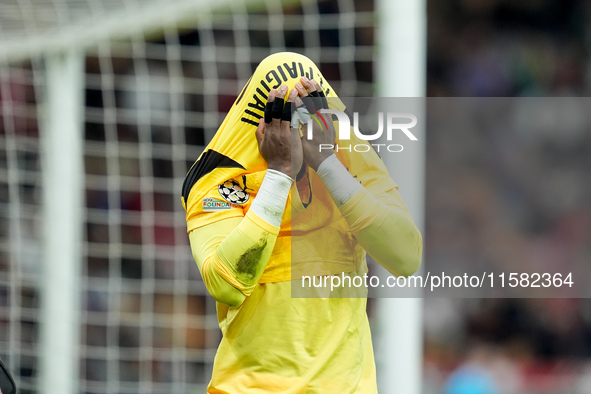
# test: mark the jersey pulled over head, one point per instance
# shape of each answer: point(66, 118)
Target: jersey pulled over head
point(314, 238)
point(233, 151)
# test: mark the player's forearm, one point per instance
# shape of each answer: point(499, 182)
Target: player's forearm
point(216, 285)
point(237, 260)
point(381, 224)
point(232, 265)
point(243, 255)
point(386, 231)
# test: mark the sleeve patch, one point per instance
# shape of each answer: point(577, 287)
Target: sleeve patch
point(232, 192)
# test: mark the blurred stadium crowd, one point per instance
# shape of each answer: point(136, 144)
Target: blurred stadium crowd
point(493, 197)
point(509, 198)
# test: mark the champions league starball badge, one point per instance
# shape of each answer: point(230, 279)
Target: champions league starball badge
point(232, 192)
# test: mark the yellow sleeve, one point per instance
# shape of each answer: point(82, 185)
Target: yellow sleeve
point(384, 227)
point(232, 254)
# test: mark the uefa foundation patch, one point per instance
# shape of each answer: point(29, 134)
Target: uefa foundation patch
point(214, 205)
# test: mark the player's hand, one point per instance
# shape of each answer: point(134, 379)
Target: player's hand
point(324, 135)
point(279, 144)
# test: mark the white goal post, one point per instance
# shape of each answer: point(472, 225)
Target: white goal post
point(401, 65)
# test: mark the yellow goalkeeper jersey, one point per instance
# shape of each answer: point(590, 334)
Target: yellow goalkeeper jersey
point(273, 342)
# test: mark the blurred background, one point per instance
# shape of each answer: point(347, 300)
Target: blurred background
point(518, 198)
point(157, 80)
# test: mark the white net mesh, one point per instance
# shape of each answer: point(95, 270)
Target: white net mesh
point(152, 102)
point(19, 210)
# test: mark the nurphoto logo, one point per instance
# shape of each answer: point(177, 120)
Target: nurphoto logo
point(394, 123)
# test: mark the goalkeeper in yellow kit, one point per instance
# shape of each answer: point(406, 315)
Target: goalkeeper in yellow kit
point(260, 200)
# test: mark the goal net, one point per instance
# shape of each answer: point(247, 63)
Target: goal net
point(158, 78)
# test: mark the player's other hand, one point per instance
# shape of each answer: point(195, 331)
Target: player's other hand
point(324, 135)
point(279, 144)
